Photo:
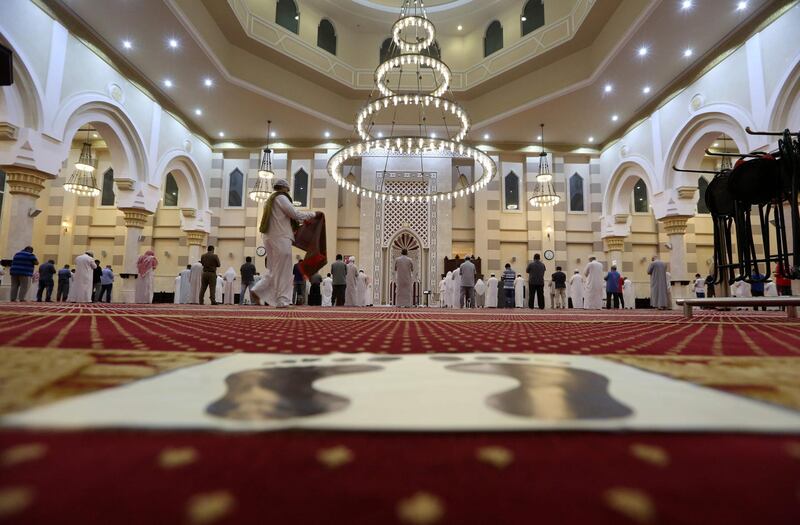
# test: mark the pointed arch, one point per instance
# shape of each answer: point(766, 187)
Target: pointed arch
point(576, 200)
point(21, 103)
point(300, 188)
point(326, 36)
point(236, 184)
point(618, 196)
point(192, 191)
point(511, 191)
point(107, 197)
point(493, 38)
point(641, 197)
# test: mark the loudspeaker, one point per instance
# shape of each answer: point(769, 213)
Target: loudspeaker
point(6, 75)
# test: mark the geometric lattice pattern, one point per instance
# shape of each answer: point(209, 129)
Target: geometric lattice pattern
point(411, 216)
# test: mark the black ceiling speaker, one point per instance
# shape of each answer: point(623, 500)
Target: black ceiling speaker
point(6, 76)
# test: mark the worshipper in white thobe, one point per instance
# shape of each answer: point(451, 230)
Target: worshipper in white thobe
point(277, 235)
point(491, 292)
point(576, 289)
point(362, 284)
point(229, 277)
point(659, 285)
point(195, 282)
point(628, 294)
point(770, 290)
point(146, 266)
point(595, 286)
point(455, 290)
point(480, 293)
point(519, 292)
point(71, 293)
point(404, 280)
point(447, 295)
point(351, 292)
point(84, 276)
point(219, 289)
point(185, 286)
point(327, 291)
point(669, 291)
point(177, 298)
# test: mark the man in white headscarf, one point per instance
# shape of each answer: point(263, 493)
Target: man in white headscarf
point(351, 293)
point(277, 235)
point(455, 290)
point(185, 285)
point(628, 294)
point(362, 282)
point(84, 275)
point(146, 267)
point(177, 294)
point(491, 292)
point(480, 293)
point(519, 292)
point(195, 282)
point(219, 289)
point(403, 279)
point(327, 291)
point(595, 285)
point(229, 277)
point(444, 286)
point(576, 289)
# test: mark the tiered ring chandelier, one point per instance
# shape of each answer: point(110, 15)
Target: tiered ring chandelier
point(412, 112)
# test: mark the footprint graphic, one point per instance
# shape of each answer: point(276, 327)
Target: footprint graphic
point(550, 393)
point(275, 394)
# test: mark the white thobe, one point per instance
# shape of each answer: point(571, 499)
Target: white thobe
point(278, 243)
point(361, 289)
point(71, 293)
point(227, 291)
point(448, 290)
point(327, 291)
point(442, 293)
point(177, 299)
point(770, 290)
point(480, 290)
point(595, 285)
point(403, 279)
point(144, 288)
point(455, 299)
point(576, 290)
point(219, 289)
point(491, 292)
point(195, 282)
point(628, 294)
point(82, 282)
point(351, 292)
point(519, 292)
point(186, 286)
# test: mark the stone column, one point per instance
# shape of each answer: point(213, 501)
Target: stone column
point(135, 221)
point(614, 248)
point(675, 228)
point(24, 186)
point(195, 239)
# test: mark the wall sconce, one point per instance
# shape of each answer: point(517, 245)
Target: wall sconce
point(104, 253)
point(230, 254)
point(167, 254)
point(643, 260)
point(549, 230)
point(578, 260)
point(65, 226)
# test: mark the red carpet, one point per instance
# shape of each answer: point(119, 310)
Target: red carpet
point(306, 477)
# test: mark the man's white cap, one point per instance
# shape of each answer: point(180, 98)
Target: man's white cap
point(281, 183)
point(90, 254)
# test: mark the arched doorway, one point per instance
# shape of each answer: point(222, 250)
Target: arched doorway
point(405, 241)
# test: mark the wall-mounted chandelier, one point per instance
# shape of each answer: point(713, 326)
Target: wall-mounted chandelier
point(82, 181)
point(411, 112)
point(545, 194)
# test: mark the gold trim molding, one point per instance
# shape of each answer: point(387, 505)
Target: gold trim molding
point(615, 244)
point(675, 225)
point(135, 217)
point(195, 237)
point(25, 181)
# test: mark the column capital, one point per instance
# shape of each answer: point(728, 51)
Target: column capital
point(195, 237)
point(615, 244)
point(675, 224)
point(25, 181)
point(135, 217)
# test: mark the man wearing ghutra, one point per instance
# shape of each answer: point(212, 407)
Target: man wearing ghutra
point(146, 265)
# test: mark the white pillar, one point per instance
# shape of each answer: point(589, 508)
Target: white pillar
point(135, 221)
point(195, 239)
point(675, 228)
point(614, 249)
point(24, 187)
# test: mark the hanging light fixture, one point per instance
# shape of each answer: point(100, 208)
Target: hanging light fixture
point(265, 168)
point(82, 181)
point(261, 190)
point(545, 194)
point(725, 163)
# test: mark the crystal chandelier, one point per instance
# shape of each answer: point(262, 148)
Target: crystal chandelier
point(82, 181)
point(411, 112)
point(261, 190)
point(545, 194)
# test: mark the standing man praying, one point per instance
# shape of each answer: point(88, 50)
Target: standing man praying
point(210, 263)
point(339, 280)
point(535, 273)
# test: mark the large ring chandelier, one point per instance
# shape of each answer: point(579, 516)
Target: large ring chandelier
point(422, 118)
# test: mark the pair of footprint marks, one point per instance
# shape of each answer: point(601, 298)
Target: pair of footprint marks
point(544, 392)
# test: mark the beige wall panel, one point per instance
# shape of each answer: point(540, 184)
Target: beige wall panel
point(509, 251)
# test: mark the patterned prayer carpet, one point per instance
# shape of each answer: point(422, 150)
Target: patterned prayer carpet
point(50, 352)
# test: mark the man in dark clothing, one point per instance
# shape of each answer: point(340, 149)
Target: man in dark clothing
point(97, 278)
point(210, 263)
point(64, 276)
point(22, 266)
point(299, 284)
point(248, 273)
point(46, 273)
point(560, 282)
point(757, 286)
point(315, 294)
point(339, 277)
point(612, 288)
point(535, 272)
point(509, 276)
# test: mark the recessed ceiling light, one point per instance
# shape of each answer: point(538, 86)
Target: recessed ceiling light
point(168, 83)
point(524, 18)
point(198, 112)
point(297, 17)
point(686, 4)
point(538, 137)
point(608, 88)
point(486, 136)
point(614, 118)
point(460, 27)
point(646, 90)
point(741, 6)
point(208, 82)
point(327, 134)
point(272, 134)
point(173, 43)
point(221, 133)
point(643, 51)
point(127, 44)
point(380, 134)
point(688, 52)
point(715, 145)
point(591, 139)
point(433, 135)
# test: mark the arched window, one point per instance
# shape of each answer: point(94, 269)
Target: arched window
point(2, 189)
point(512, 191)
point(388, 50)
point(235, 189)
point(493, 40)
point(576, 193)
point(640, 202)
point(702, 185)
point(287, 15)
point(300, 191)
point(326, 36)
point(533, 16)
point(107, 195)
point(170, 191)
